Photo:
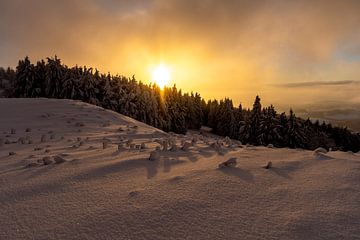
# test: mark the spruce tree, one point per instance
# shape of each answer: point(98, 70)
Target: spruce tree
point(237, 122)
point(170, 109)
point(296, 136)
point(225, 117)
point(255, 122)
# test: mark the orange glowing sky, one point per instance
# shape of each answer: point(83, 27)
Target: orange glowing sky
point(289, 52)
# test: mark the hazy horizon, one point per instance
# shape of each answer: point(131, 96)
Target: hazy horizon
point(289, 53)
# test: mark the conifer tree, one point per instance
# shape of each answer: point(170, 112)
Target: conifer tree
point(25, 77)
point(269, 127)
point(255, 122)
point(54, 77)
point(225, 117)
point(237, 122)
point(170, 109)
point(296, 136)
point(213, 114)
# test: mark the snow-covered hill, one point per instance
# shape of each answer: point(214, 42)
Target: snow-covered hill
point(70, 170)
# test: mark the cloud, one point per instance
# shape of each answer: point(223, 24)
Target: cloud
point(259, 30)
point(318, 83)
point(235, 48)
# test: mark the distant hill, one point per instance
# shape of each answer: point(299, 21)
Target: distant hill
point(340, 114)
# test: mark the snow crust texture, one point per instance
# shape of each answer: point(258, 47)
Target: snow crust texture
point(71, 170)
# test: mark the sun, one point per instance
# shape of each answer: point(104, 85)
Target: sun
point(161, 75)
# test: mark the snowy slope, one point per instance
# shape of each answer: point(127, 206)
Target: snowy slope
point(108, 189)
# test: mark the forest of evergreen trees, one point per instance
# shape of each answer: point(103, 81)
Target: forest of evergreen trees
point(170, 109)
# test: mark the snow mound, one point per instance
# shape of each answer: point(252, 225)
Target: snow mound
point(320, 150)
point(228, 163)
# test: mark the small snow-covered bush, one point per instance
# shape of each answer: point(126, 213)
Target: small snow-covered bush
point(46, 160)
point(59, 159)
point(120, 146)
point(216, 145)
point(79, 124)
point(268, 165)
point(173, 148)
point(128, 142)
point(320, 150)
point(165, 145)
point(171, 141)
point(32, 164)
point(186, 146)
point(194, 141)
point(231, 162)
point(227, 141)
point(154, 155)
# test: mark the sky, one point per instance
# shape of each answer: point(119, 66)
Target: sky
point(288, 52)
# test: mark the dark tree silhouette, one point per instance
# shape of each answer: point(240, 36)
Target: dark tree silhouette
point(170, 109)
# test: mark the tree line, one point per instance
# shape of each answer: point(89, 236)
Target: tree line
point(170, 109)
